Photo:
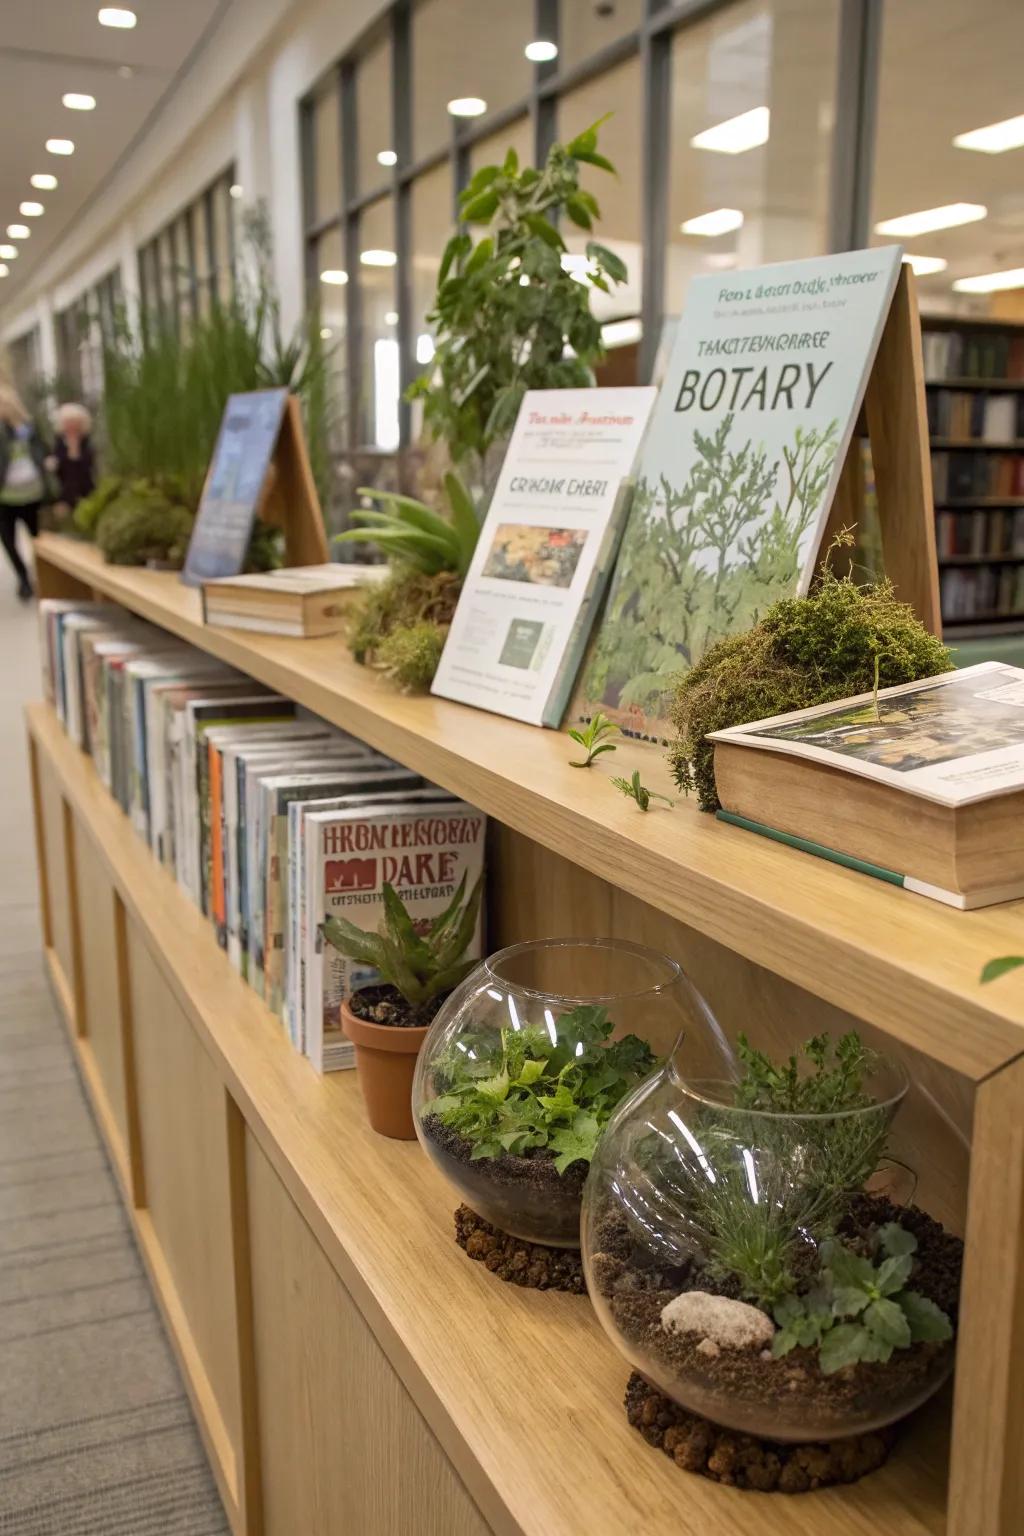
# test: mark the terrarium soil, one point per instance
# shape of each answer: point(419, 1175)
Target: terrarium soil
point(512, 1191)
point(386, 1005)
point(744, 1461)
point(637, 1290)
point(519, 1263)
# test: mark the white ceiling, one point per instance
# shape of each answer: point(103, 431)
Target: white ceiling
point(48, 47)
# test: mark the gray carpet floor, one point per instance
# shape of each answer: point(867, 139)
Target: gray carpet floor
point(96, 1434)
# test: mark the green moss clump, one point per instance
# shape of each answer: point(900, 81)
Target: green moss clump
point(91, 508)
point(401, 624)
point(804, 651)
point(142, 525)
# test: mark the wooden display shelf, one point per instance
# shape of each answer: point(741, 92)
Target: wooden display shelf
point(967, 383)
point(906, 964)
point(521, 1389)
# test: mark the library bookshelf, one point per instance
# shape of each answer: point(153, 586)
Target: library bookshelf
point(350, 1368)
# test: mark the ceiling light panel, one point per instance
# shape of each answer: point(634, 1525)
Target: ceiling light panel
point(334, 277)
point(720, 221)
point(43, 181)
point(991, 282)
point(78, 101)
point(117, 16)
point(949, 216)
point(60, 146)
point(996, 139)
point(18, 231)
point(8, 252)
point(541, 52)
point(925, 266)
point(737, 134)
point(31, 210)
point(467, 106)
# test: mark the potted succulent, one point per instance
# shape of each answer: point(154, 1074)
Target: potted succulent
point(387, 1021)
point(739, 1255)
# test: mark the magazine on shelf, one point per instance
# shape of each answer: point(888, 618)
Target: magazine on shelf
point(423, 850)
point(141, 673)
point(738, 469)
point(544, 552)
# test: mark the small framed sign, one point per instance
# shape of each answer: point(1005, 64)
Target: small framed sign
point(259, 466)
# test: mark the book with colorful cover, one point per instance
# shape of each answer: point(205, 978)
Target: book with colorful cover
point(423, 850)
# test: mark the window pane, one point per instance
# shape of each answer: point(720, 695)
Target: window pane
point(461, 48)
point(587, 27)
point(328, 258)
point(618, 91)
point(223, 213)
point(327, 155)
point(373, 117)
point(493, 149)
point(377, 419)
point(947, 69)
point(775, 58)
point(432, 224)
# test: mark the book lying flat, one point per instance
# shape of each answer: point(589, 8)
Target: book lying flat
point(303, 601)
point(922, 786)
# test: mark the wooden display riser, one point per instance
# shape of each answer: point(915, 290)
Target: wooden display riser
point(351, 1369)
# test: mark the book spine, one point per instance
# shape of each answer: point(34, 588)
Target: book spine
point(820, 851)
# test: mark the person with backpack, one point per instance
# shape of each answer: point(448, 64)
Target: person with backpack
point(23, 483)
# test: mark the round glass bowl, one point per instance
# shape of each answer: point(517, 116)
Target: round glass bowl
point(686, 1192)
point(527, 1059)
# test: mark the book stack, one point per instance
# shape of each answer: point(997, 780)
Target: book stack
point(988, 417)
point(973, 354)
point(988, 531)
point(982, 592)
point(962, 476)
point(268, 818)
point(302, 601)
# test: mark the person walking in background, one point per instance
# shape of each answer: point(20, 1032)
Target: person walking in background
point(72, 461)
point(23, 488)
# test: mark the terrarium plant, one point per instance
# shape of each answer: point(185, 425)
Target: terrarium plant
point(740, 1256)
point(416, 967)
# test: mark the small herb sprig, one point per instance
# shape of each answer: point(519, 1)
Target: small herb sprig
point(861, 1311)
point(835, 1083)
point(593, 738)
point(636, 790)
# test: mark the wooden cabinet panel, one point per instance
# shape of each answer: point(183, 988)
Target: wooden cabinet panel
point(184, 1149)
point(344, 1449)
point(100, 1003)
point(58, 888)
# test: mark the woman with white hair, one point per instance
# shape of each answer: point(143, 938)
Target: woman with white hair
point(23, 487)
point(72, 460)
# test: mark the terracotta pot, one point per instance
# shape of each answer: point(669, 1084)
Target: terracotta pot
point(385, 1060)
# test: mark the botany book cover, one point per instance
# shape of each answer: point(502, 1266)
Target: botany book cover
point(738, 469)
point(955, 739)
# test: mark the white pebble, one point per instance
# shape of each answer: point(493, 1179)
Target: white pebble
point(733, 1324)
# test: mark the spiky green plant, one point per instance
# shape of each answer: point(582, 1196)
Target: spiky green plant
point(413, 534)
point(421, 967)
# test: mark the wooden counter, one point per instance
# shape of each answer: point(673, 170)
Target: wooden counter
point(352, 1370)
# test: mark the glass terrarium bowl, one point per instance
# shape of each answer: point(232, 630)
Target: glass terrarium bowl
point(524, 1062)
point(685, 1191)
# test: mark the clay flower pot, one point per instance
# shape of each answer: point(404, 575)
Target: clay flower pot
point(385, 1060)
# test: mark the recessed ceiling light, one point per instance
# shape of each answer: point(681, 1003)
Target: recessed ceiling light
point(541, 52)
point(719, 222)
point(78, 101)
point(378, 258)
point(18, 231)
point(737, 134)
point(929, 219)
point(60, 146)
point(235, 190)
point(4, 269)
point(991, 282)
point(467, 106)
point(391, 317)
point(43, 181)
point(334, 277)
point(923, 266)
point(117, 16)
point(31, 210)
point(8, 252)
point(386, 157)
point(326, 333)
point(996, 139)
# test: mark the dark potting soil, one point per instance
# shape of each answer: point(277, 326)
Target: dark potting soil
point(385, 1005)
point(519, 1263)
point(526, 1196)
point(637, 1289)
point(744, 1461)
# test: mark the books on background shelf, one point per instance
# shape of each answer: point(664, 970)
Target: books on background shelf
point(982, 592)
point(224, 779)
point(991, 531)
point(978, 353)
point(966, 475)
point(303, 601)
point(923, 786)
point(990, 418)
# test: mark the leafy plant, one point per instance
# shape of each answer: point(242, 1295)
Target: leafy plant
point(506, 308)
point(142, 524)
point(593, 738)
point(861, 1310)
point(413, 534)
point(834, 1084)
point(92, 507)
point(421, 967)
point(522, 1091)
point(993, 969)
point(638, 791)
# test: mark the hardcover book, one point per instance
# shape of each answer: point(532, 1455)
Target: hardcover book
point(305, 601)
point(738, 469)
point(544, 553)
point(923, 785)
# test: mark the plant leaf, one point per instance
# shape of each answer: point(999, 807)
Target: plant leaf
point(887, 1322)
point(464, 519)
point(480, 257)
point(993, 969)
point(849, 1300)
point(895, 1240)
point(841, 1346)
point(457, 246)
point(614, 265)
point(480, 209)
point(544, 230)
point(928, 1323)
point(591, 157)
point(894, 1273)
point(349, 940)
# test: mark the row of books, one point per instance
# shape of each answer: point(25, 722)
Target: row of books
point(973, 354)
point(982, 592)
point(269, 818)
point(959, 476)
point(991, 418)
point(988, 531)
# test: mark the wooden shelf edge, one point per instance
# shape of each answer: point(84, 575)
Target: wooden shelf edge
point(456, 1337)
point(900, 962)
